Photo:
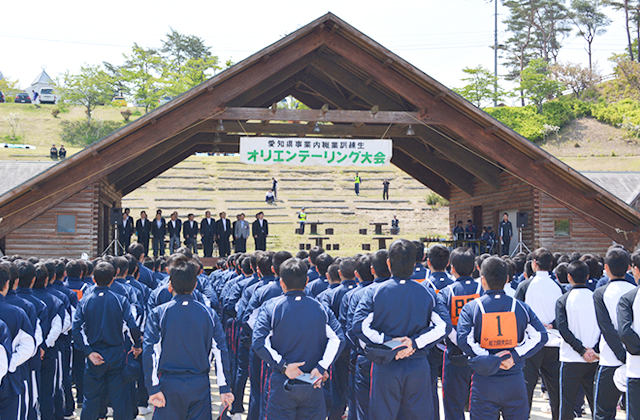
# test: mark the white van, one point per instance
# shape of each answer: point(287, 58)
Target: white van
point(46, 95)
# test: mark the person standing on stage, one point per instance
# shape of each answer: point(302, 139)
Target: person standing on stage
point(223, 232)
point(385, 190)
point(159, 230)
point(357, 180)
point(505, 232)
point(241, 232)
point(143, 229)
point(126, 230)
point(190, 233)
point(260, 232)
point(208, 233)
point(174, 227)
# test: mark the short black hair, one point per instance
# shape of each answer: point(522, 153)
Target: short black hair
point(561, 273)
point(495, 272)
point(635, 259)
point(302, 255)
point(293, 273)
point(438, 256)
point(246, 265)
point(579, 271)
point(148, 263)
point(265, 261)
point(133, 265)
point(618, 261)
point(402, 255)
point(544, 259)
point(480, 259)
point(184, 250)
point(60, 269)
point(364, 268)
point(26, 273)
point(332, 273)
point(104, 273)
point(121, 264)
point(5, 276)
point(74, 268)
point(348, 268)
point(323, 261)
point(278, 258)
point(463, 260)
point(51, 268)
point(519, 262)
point(528, 269)
point(136, 249)
point(314, 253)
point(379, 263)
point(42, 275)
point(419, 250)
point(183, 275)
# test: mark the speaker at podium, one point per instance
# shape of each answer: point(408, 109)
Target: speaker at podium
point(115, 216)
point(522, 219)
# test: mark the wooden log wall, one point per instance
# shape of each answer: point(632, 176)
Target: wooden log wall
point(39, 237)
point(584, 237)
point(513, 194)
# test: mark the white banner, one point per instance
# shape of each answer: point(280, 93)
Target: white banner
point(315, 151)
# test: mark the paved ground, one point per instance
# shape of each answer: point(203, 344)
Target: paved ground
point(536, 413)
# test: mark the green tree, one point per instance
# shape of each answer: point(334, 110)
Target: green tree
point(179, 48)
point(537, 83)
point(552, 23)
point(628, 7)
point(480, 86)
point(9, 87)
point(590, 21)
point(575, 77)
point(118, 85)
point(192, 73)
point(142, 72)
point(89, 88)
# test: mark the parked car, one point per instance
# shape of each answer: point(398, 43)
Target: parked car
point(47, 96)
point(119, 100)
point(22, 98)
point(164, 100)
point(1, 97)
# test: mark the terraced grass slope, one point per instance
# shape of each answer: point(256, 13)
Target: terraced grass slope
point(222, 183)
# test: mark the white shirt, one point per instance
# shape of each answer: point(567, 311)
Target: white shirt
point(159, 222)
point(173, 222)
point(260, 220)
point(542, 294)
point(143, 221)
point(224, 224)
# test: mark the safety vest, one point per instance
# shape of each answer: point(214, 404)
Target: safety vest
point(357, 179)
point(303, 217)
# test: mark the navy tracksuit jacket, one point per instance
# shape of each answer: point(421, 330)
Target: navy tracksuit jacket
point(295, 328)
point(101, 321)
point(419, 273)
point(312, 274)
point(317, 286)
point(401, 308)
point(494, 390)
point(179, 327)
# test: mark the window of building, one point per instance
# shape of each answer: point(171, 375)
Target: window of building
point(66, 223)
point(562, 227)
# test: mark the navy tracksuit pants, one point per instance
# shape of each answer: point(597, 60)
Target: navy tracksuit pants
point(288, 401)
point(33, 382)
point(633, 399)
point(436, 363)
point(456, 383)
point(69, 405)
point(188, 398)
point(51, 394)
point(77, 374)
point(106, 378)
point(362, 387)
point(10, 407)
point(242, 373)
point(606, 394)
point(545, 363)
point(339, 385)
point(495, 395)
point(405, 384)
point(255, 396)
point(572, 376)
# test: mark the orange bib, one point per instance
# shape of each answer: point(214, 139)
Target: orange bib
point(499, 329)
point(79, 294)
point(458, 302)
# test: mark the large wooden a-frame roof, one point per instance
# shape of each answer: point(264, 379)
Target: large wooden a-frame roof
point(360, 87)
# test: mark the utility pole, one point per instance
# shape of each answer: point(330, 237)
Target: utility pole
point(495, 56)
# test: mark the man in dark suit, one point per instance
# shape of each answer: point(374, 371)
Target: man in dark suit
point(174, 227)
point(126, 230)
point(505, 230)
point(208, 233)
point(158, 230)
point(143, 227)
point(223, 232)
point(260, 231)
point(190, 233)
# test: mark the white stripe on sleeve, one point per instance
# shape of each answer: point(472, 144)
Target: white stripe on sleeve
point(331, 351)
point(373, 335)
point(54, 331)
point(23, 349)
point(532, 338)
point(438, 331)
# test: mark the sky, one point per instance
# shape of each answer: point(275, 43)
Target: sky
point(440, 37)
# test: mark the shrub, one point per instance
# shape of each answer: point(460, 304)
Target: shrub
point(126, 114)
point(434, 199)
point(10, 99)
point(55, 112)
point(81, 133)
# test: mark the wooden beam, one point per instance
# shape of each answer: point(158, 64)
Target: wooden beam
point(78, 171)
point(499, 147)
point(447, 170)
point(421, 174)
point(355, 85)
point(307, 98)
point(334, 116)
point(328, 92)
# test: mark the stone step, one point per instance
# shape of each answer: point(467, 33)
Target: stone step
point(385, 208)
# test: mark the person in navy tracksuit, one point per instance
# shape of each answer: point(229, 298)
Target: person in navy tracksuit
point(295, 334)
point(498, 333)
point(410, 313)
point(78, 286)
point(629, 330)
point(419, 271)
point(314, 253)
point(612, 351)
point(577, 323)
point(5, 350)
point(362, 377)
point(23, 347)
point(146, 275)
point(320, 284)
point(102, 340)
point(179, 386)
point(456, 376)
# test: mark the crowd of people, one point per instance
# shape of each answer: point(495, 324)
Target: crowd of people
point(318, 336)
